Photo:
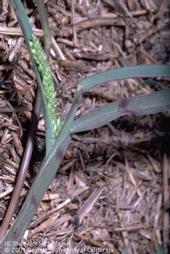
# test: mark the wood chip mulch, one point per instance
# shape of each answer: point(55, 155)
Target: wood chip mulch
point(112, 189)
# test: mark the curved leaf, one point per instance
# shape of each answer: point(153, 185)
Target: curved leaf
point(40, 185)
point(138, 71)
point(137, 105)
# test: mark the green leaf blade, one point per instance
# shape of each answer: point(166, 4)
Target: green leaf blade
point(138, 71)
point(138, 105)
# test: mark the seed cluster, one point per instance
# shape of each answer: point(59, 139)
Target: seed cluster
point(47, 81)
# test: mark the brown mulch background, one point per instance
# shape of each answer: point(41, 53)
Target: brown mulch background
point(111, 192)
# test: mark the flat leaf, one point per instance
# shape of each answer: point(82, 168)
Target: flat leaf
point(23, 19)
point(138, 105)
point(44, 22)
point(28, 33)
point(41, 183)
point(138, 71)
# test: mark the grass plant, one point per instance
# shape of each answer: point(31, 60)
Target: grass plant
point(60, 130)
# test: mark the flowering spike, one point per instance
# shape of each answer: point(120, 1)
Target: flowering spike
point(47, 81)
